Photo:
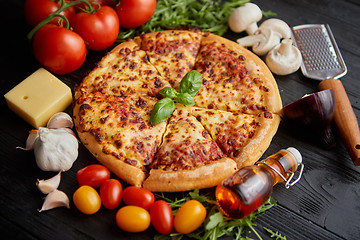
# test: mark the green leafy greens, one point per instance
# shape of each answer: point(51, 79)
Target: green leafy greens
point(189, 86)
point(216, 224)
point(207, 15)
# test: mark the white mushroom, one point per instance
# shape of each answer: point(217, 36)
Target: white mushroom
point(245, 18)
point(261, 43)
point(267, 36)
point(284, 58)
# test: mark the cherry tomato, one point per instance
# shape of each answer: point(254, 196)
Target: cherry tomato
point(37, 10)
point(162, 217)
point(137, 196)
point(189, 217)
point(59, 49)
point(92, 175)
point(134, 13)
point(133, 219)
point(99, 30)
point(87, 200)
point(110, 193)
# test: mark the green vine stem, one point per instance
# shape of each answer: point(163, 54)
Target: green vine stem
point(50, 17)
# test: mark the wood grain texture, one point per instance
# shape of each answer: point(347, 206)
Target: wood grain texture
point(323, 205)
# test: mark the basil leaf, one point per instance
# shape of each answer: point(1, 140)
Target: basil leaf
point(186, 99)
point(162, 110)
point(191, 83)
point(169, 92)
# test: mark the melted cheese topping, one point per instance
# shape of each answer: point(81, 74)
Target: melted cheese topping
point(186, 144)
point(122, 126)
point(227, 84)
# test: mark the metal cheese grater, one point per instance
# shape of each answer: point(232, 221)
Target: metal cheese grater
point(321, 56)
point(321, 60)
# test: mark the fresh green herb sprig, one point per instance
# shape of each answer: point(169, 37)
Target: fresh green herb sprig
point(207, 15)
point(216, 224)
point(189, 86)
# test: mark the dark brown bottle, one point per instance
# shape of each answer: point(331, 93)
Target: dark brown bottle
point(250, 187)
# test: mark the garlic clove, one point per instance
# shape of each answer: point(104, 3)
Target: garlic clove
point(60, 120)
point(49, 185)
point(55, 199)
point(33, 135)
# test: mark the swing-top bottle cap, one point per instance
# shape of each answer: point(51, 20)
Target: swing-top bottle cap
point(296, 154)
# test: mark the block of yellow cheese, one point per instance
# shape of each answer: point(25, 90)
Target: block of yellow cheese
point(38, 97)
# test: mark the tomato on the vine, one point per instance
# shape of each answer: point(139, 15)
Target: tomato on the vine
point(138, 196)
point(37, 10)
point(87, 200)
point(99, 29)
point(134, 13)
point(133, 219)
point(189, 217)
point(110, 193)
point(93, 175)
point(59, 49)
point(162, 217)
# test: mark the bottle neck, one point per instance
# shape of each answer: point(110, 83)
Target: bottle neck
point(281, 163)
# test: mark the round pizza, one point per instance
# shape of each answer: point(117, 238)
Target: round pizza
point(230, 126)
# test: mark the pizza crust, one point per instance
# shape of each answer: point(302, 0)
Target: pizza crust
point(133, 175)
point(204, 177)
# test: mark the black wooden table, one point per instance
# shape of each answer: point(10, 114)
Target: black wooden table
point(323, 205)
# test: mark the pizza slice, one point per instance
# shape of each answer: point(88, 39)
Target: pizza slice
point(188, 157)
point(234, 79)
point(173, 53)
point(117, 131)
point(124, 71)
point(242, 137)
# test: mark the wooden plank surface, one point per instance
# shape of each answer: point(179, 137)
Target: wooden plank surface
point(323, 205)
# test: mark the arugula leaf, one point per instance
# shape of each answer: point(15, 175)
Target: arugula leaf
point(207, 15)
point(275, 235)
point(162, 110)
point(191, 83)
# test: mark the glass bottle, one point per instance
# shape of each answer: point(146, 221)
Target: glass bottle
point(250, 187)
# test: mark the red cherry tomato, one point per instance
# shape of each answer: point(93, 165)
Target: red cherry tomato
point(59, 49)
point(162, 217)
point(110, 193)
point(99, 30)
point(137, 196)
point(37, 10)
point(93, 175)
point(134, 13)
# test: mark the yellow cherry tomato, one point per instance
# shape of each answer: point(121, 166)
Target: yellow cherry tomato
point(133, 219)
point(189, 217)
point(87, 200)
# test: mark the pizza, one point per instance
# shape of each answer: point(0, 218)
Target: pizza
point(232, 123)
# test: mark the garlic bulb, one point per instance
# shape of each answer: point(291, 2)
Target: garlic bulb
point(55, 149)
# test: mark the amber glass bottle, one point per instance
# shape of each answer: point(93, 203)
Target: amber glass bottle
point(250, 187)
